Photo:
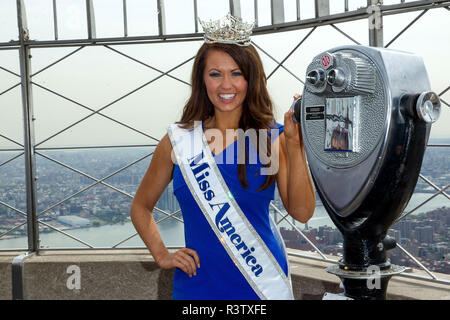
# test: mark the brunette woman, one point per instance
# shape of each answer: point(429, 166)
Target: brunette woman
point(223, 260)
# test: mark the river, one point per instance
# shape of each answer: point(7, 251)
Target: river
point(172, 232)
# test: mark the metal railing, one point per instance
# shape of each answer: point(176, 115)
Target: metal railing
point(30, 148)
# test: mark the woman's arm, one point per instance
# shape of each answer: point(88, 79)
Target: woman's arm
point(153, 184)
point(294, 180)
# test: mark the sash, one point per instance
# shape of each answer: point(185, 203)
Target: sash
point(240, 240)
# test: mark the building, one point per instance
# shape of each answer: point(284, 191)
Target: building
point(424, 234)
point(74, 221)
point(405, 227)
point(168, 202)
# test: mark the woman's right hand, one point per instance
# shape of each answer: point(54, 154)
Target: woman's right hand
point(185, 259)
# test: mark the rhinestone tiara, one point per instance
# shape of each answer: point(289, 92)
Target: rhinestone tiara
point(228, 29)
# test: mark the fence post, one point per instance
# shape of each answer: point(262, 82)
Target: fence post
point(375, 23)
point(28, 123)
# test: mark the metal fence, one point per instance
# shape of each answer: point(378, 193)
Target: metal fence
point(30, 148)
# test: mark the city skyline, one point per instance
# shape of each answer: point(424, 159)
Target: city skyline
point(104, 206)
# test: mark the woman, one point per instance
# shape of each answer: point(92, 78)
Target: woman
point(228, 92)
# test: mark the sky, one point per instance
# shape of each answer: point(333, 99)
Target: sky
point(95, 76)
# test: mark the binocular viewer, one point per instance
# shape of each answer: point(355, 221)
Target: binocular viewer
point(366, 115)
point(336, 78)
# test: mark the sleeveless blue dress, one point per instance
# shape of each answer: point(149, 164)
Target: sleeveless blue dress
point(218, 278)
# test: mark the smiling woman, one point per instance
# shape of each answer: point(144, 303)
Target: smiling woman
point(222, 98)
point(225, 206)
point(224, 81)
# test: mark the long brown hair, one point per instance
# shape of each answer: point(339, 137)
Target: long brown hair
point(257, 112)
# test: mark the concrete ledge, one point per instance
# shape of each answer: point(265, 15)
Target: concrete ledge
point(311, 281)
point(6, 258)
point(133, 274)
point(117, 274)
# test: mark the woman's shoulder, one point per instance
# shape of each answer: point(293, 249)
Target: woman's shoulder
point(165, 141)
point(164, 148)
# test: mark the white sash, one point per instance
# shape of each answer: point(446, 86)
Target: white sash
point(240, 240)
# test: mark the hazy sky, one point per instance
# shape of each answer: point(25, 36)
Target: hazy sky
point(96, 76)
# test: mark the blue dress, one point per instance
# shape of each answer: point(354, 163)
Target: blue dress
point(218, 278)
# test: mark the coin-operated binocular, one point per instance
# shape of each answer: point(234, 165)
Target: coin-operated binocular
point(366, 115)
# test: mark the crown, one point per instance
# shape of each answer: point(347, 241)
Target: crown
point(228, 29)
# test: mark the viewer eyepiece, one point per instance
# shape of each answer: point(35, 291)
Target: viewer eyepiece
point(316, 77)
